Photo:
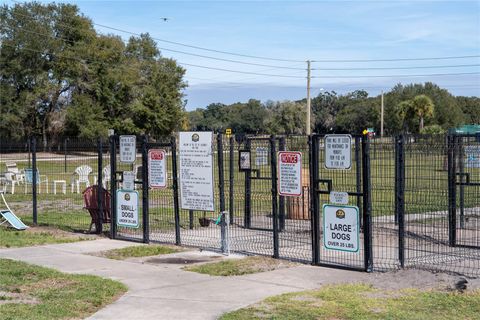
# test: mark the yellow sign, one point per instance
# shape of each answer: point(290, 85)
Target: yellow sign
point(228, 132)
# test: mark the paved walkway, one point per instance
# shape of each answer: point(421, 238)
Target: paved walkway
point(164, 291)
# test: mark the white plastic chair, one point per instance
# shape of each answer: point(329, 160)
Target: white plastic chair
point(83, 173)
point(11, 180)
point(106, 177)
point(12, 167)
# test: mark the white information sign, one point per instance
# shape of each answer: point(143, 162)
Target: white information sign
point(127, 209)
point(337, 197)
point(341, 227)
point(196, 171)
point(472, 156)
point(261, 156)
point(338, 151)
point(157, 169)
point(128, 149)
point(128, 180)
point(290, 173)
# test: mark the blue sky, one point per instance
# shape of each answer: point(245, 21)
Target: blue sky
point(300, 31)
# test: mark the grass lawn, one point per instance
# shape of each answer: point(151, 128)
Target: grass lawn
point(238, 267)
point(32, 292)
point(360, 301)
point(10, 238)
point(138, 251)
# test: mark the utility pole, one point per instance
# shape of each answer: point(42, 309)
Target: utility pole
point(308, 131)
point(381, 117)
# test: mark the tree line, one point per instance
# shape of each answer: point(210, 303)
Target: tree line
point(412, 108)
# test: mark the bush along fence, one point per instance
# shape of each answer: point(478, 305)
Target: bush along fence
point(343, 201)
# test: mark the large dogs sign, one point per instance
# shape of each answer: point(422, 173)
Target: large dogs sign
point(341, 227)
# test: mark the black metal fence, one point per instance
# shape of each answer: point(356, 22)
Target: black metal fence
point(418, 197)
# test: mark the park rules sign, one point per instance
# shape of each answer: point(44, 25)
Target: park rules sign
point(341, 227)
point(127, 209)
point(157, 169)
point(338, 151)
point(196, 171)
point(289, 173)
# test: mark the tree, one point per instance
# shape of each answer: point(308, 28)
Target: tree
point(61, 77)
point(423, 108)
point(286, 117)
point(354, 119)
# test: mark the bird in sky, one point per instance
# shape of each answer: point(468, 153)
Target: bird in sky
point(164, 19)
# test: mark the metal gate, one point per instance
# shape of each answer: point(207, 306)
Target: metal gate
point(356, 183)
point(464, 190)
point(139, 232)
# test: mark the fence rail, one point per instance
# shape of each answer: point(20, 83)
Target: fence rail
point(418, 197)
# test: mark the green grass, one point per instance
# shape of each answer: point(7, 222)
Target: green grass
point(138, 251)
point(39, 293)
point(238, 267)
point(10, 238)
point(363, 302)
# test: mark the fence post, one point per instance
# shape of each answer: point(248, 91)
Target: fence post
point(248, 190)
point(273, 165)
point(33, 142)
point(452, 191)
point(221, 189)
point(65, 154)
point(99, 226)
point(281, 202)
point(358, 176)
point(367, 222)
point(400, 196)
point(313, 161)
point(231, 169)
point(113, 186)
point(176, 209)
point(145, 218)
point(461, 167)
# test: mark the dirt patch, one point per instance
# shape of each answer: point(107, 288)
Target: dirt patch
point(51, 283)
point(183, 258)
point(59, 233)
point(12, 297)
point(418, 279)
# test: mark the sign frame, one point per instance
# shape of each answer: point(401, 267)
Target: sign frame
point(165, 169)
point(247, 153)
point(194, 137)
point(279, 159)
point(134, 147)
point(117, 211)
point(358, 227)
point(327, 153)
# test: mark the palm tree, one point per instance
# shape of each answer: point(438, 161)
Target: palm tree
point(405, 112)
point(423, 108)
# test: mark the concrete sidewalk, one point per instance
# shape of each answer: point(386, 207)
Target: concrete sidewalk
point(164, 291)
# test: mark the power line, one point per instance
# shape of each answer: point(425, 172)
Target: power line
point(265, 74)
point(239, 71)
point(281, 67)
point(272, 58)
point(399, 59)
point(178, 51)
point(399, 75)
point(188, 45)
point(399, 68)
